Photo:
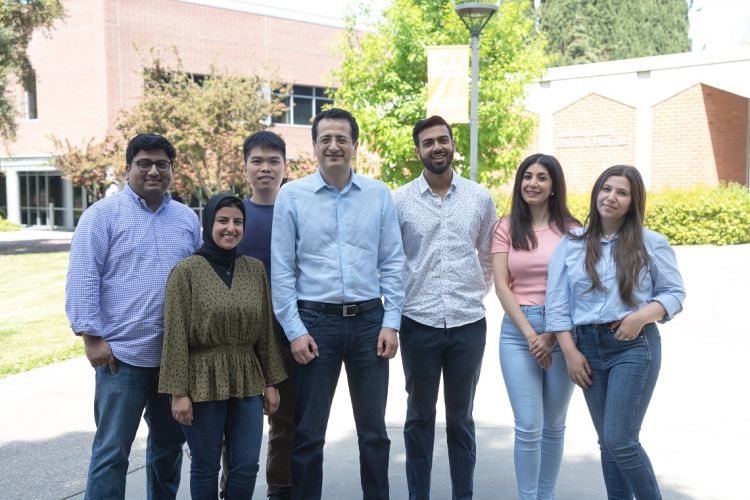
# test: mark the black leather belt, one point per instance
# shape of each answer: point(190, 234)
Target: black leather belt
point(345, 310)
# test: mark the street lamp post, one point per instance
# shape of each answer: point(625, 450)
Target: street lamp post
point(475, 16)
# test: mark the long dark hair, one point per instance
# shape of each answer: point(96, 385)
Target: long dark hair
point(522, 234)
point(629, 252)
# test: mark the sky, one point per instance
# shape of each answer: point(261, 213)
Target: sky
point(714, 24)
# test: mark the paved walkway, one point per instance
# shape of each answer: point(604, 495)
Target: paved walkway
point(695, 432)
point(34, 241)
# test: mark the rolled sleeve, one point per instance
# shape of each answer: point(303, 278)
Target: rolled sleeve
point(557, 314)
point(283, 266)
point(668, 287)
point(391, 261)
point(484, 241)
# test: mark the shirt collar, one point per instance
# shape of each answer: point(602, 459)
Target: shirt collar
point(141, 202)
point(425, 187)
point(320, 183)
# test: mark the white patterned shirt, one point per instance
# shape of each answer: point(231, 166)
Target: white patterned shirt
point(447, 243)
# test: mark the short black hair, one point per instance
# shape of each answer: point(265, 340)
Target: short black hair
point(427, 123)
point(148, 142)
point(264, 139)
point(335, 114)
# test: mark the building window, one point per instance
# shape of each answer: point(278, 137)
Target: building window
point(303, 103)
point(31, 109)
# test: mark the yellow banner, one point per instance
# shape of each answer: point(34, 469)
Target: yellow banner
point(448, 82)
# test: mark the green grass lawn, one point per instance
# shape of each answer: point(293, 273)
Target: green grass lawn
point(33, 328)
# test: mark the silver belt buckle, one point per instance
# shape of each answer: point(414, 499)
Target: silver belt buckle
point(353, 307)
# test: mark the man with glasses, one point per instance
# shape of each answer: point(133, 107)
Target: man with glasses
point(122, 252)
point(335, 251)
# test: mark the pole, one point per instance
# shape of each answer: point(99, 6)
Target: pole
point(474, 119)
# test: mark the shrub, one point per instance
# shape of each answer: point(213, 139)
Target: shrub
point(6, 225)
point(697, 216)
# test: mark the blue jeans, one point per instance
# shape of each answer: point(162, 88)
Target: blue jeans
point(624, 376)
point(240, 422)
point(539, 399)
point(457, 353)
point(353, 342)
point(119, 403)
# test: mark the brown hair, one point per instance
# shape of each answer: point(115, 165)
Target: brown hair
point(629, 252)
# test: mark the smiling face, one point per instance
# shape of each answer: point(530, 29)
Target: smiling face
point(334, 148)
point(613, 202)
point(265, 168)
point(150, 185)
point(536, 185)
point(228, 227)
point(435, 149)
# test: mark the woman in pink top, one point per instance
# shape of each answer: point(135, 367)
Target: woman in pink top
point(532, 364)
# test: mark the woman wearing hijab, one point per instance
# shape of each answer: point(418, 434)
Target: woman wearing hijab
point(221, 358)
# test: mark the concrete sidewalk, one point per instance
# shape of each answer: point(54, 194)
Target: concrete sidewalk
point(695, 431)
point(34, 241)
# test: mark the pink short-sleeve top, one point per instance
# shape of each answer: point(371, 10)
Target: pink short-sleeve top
point(528, 268)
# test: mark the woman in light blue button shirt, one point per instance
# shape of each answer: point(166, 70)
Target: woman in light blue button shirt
point(609, 283)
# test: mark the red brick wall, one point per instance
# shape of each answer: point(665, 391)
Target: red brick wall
point(590, 135)
point(89, 68)
point(726, 114)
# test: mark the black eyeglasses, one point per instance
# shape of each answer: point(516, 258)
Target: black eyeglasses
point(144, 165)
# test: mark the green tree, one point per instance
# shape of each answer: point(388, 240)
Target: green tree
point(383, 78)
point(206, 119)
point(18, 20)
point(582, 31)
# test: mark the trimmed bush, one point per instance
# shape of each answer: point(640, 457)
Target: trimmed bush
point(7, 226)
point(696, 216)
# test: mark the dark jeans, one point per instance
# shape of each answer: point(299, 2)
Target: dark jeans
point(624, 376)
point(239, 421)
point(353, 341)
point(281, 431)
point(457, 353)
point(119, 403)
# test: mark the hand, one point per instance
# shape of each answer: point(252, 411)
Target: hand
point(98, 352)
point(304, 349)
point(579, 370)
point(387, 343)
point(182, 409)
point(542, 345)
point(628, 328)
point(545, 362)
point(271, 400)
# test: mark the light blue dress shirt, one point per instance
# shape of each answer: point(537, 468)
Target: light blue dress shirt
point(120, 257)
point(335, 247)
point(569, 303)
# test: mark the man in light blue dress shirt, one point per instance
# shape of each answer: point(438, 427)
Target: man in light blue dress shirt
point(122, 252)
point(335, 252)
point(446, 223)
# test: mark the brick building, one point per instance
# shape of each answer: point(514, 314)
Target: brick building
point(89, 68)
point(682, 119)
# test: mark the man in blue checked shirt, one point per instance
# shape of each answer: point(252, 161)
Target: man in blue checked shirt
point(335, 251)
point(122, 252)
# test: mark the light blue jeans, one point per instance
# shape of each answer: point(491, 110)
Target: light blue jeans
point(539, 399)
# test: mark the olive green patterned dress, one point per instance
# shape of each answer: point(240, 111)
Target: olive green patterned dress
point(219, 342)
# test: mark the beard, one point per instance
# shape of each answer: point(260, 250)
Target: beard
point(442, 165)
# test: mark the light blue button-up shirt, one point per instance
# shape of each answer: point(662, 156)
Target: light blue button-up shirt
point(568, 301)
point(120, 257)
point(335, 247)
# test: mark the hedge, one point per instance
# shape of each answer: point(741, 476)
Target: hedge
point(5, 225)
point(697, 216)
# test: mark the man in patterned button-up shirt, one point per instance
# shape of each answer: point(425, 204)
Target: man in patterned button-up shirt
point(446, 223)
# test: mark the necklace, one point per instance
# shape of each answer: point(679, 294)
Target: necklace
point(609, 237)
point(227, 270)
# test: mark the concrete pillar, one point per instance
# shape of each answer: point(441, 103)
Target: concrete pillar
point(13, 188)
point(67, 191)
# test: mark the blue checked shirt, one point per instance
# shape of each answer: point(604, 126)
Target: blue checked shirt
point(335, 247)
point(120, 257)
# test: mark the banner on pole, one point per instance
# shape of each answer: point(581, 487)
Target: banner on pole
point(448, 82)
